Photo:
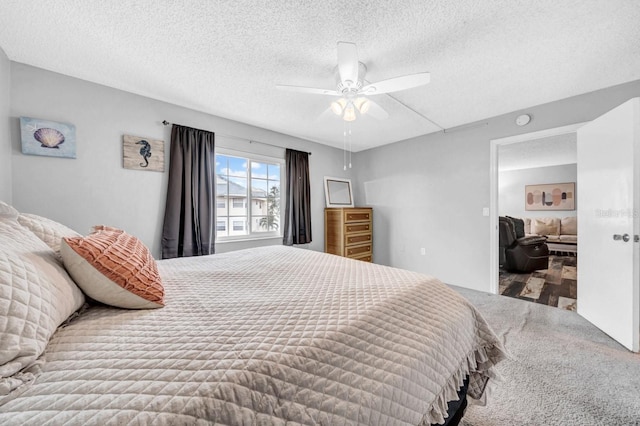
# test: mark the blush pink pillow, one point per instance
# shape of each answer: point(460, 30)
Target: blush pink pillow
point(114, 268)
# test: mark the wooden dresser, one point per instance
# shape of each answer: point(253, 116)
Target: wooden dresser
point(348, 232)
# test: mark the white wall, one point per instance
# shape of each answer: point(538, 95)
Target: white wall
point(5, 134)
point(94, 188)
point(511, 183)
point(429, 191)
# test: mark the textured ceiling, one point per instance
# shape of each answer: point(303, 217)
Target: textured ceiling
point(544, 152)
point(225, 57)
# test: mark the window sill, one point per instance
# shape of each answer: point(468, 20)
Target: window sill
point(240, 240)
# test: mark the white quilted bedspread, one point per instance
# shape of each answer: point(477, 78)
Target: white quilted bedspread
point(267, 336)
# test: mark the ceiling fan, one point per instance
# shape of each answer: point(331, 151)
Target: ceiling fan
point(352, 90)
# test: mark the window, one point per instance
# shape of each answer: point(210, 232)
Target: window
point(248, 196)
point(221, 226)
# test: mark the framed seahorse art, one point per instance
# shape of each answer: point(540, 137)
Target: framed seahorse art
point(140, 153)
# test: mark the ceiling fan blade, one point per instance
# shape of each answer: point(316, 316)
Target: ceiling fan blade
point(312, 90)
point(397, 83)
point(376, 111)
point(326, 116)
point(348, 63)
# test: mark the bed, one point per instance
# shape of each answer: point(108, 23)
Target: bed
point(267, 336)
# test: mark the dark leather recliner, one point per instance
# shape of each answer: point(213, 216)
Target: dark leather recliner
point(524, 254)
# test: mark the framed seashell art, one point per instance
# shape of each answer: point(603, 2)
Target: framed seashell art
point(49, 138)
point(142, 153)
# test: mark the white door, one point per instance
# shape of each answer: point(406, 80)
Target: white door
point(608, 207)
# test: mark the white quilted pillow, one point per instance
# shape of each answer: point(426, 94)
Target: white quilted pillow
point(36, 296)
point(49, 231)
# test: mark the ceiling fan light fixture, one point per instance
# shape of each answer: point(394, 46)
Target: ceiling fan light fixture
point(362, 104)
point(349, 113)
point(338, 106)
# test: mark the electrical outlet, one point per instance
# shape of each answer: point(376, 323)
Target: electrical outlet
point(423, 251)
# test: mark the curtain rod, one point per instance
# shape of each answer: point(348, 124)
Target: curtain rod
point(166, 123)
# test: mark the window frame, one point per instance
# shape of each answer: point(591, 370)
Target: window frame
point(251, 235)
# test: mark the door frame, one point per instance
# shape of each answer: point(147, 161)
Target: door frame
point(494, 267)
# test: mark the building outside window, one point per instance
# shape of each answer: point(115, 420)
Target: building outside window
point(248, 196)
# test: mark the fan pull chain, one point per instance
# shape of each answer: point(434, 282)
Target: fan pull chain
point(346, 136)
point(349, 145)
point(344, 145)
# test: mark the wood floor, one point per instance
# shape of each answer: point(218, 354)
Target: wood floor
point(556, 286)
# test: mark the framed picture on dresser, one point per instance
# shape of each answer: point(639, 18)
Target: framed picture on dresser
point(337, 192)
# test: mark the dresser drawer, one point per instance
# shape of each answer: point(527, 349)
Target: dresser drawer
point(365, 258)
point(357, 251)
point(357, 215)
point(356, 228)
point(357, 239)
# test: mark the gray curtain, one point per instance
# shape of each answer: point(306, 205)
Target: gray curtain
point(189, 217)
point(297, 216)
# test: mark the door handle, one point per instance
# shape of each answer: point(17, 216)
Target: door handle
point(618, 237)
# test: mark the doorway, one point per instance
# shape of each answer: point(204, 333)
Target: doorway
point(530, 167)
point(494, 190)
point(609, 166)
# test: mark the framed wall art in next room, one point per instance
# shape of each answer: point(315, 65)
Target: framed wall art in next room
point(551, 196)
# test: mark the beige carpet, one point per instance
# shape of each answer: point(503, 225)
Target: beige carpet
point(564, 370)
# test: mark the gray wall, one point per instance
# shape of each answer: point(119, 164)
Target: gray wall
point(511, 183)
point(5, 135)
point(429, 192)
point(94, 188)
point(426, 192)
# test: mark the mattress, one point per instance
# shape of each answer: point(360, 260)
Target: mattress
point(273, 335)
